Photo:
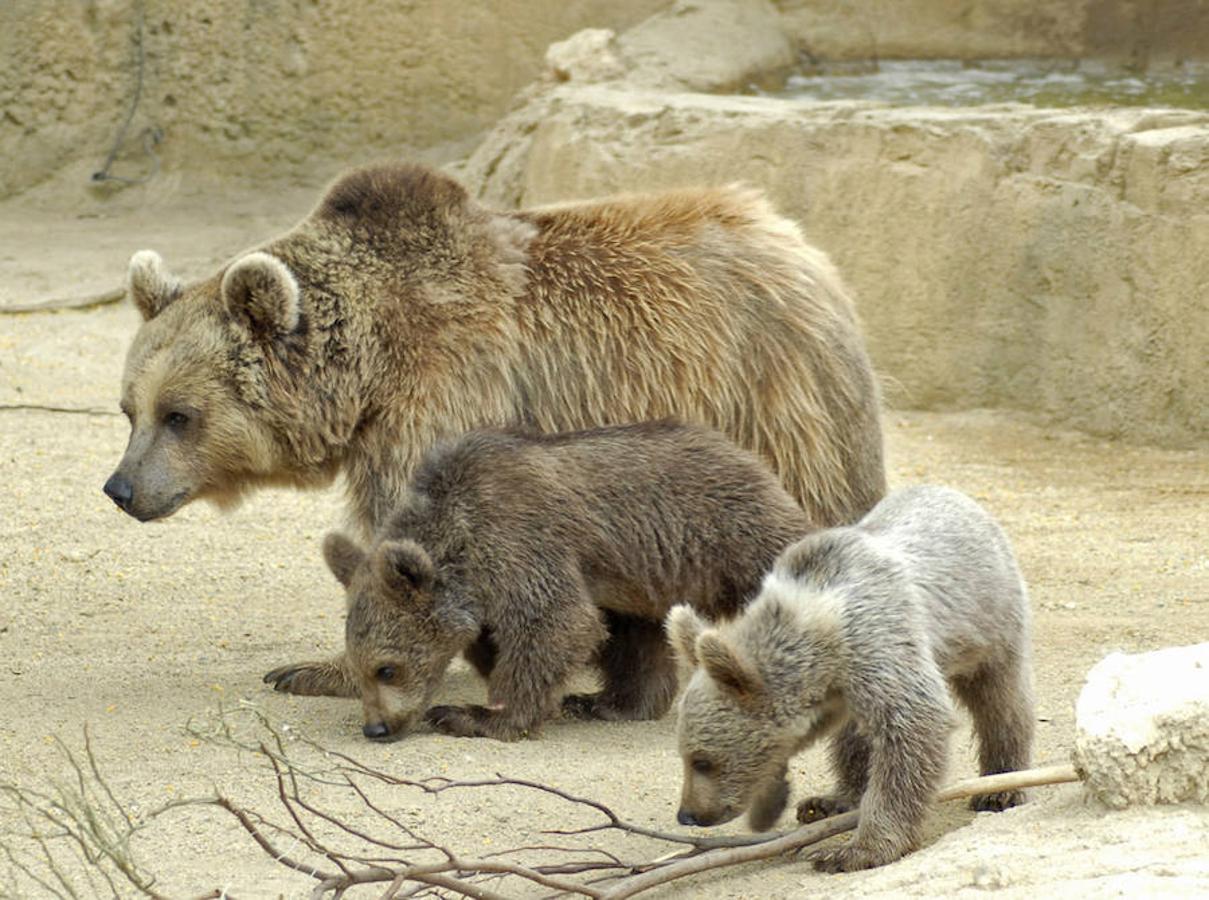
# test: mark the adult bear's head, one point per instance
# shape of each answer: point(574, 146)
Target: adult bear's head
point(324, 342)
point(195, 387)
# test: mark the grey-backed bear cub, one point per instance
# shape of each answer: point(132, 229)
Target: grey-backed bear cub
point(537, 554)
point(856, 632)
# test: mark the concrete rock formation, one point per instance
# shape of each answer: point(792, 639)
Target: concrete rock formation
point(1143, 728)
point(266, 89)
point(586, 56)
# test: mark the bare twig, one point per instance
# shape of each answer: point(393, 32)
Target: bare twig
point(86, 301)
point(338, 855)
point(733, 856)
point(245, 819)
point(40, 407)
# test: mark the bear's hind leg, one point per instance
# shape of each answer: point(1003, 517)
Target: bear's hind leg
point(850, 760)
point(1000, 700)
point(638, 670)
point(329, 678)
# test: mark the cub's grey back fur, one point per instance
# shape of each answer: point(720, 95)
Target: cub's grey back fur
point(551, 543)
point(939, 561)
point(858, 629)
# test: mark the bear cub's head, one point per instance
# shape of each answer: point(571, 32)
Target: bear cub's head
point(762, 688)
point(403, 628)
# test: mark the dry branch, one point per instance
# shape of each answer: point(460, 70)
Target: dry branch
point(90, 819)
point(86, 302)
point(41, 407)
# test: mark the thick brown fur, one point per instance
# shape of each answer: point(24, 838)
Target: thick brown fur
point(530, 545)
point(401, 313)
point(423, 315)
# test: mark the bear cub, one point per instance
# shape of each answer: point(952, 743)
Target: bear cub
point(855, 633)
point(536, 554)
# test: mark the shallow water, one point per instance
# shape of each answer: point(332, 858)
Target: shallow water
point(1048, 83)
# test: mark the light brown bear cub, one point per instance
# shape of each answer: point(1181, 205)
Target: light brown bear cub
point(516, 548)
point(856, 631)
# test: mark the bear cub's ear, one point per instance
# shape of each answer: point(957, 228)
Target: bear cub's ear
point(684, 626)
point(404, 566)
point(726, 666)
point(150, 285)
point(261, 289)
point(342, 556)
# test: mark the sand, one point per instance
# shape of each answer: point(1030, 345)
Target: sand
point(138, 630)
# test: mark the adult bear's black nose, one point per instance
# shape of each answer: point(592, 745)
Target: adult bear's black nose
point(375, 730)
point(120, 491)
point(684, 817)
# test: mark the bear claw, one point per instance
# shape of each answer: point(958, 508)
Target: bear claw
point(472, 721)
point(849, 858)
point(813, 809)
point(311, 680)
point(581, 706)
point(997, 802)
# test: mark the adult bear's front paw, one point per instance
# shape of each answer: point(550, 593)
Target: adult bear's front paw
point(311, 679)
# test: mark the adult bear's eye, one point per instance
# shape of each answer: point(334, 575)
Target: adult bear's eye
point(702, 766)
point(176, 420)
point(385, 674)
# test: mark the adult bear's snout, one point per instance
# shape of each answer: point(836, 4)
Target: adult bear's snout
point(119, 489)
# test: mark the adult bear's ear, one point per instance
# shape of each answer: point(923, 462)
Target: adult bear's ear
point(404, 566)
point(342, 556)
point(261, 289)
point(728, 669)
point(150, 285)
point(684, 626)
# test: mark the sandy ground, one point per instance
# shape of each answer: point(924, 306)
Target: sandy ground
point(139, 630)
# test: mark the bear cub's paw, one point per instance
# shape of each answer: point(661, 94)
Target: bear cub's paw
point(581, 706)
point(601, 707)
point(997, 802)
point(312, 679)
point(850, 858)
point(472, 721)
point(813, 809)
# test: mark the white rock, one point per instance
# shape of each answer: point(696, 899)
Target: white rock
point(587, 56)
point(1142, 724)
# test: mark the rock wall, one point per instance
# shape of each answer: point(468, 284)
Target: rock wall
point(1047, 261)
point(265, 86)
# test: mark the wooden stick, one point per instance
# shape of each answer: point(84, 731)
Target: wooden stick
point(713, 859)
point(819, 831)
point(1009, 781)
point(90, 300)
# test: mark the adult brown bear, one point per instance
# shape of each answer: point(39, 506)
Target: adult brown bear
point(401, 312)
